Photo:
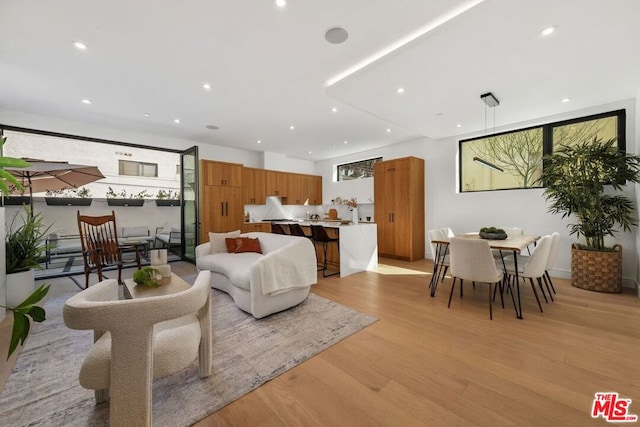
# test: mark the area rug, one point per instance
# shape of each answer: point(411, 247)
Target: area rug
point(44, 390)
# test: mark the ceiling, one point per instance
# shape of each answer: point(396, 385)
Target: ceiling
point(271, 68)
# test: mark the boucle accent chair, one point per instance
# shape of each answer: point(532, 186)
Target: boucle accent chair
point(137, 340)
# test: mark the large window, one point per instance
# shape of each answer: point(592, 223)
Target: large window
point(513, 159)
point(357, 170)
point(127, 167)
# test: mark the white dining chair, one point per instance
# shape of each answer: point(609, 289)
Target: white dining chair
point(471, 259)
point(531, 267)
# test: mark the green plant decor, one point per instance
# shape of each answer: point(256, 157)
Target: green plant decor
point(6, 178)
point(166, 194)
point(580, 180)
point(147, 276)
point(24, 242)
point(492, 230)
point(21, 314)
point(27, 309)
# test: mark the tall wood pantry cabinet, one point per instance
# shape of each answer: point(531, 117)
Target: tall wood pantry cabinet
point(399, 207)
point(221, 208)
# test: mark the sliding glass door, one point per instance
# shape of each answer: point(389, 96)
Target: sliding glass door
point(189, 206)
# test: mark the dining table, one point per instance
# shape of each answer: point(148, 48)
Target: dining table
point(513, 244)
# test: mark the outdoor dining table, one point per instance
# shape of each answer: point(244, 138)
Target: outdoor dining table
point(513, 244)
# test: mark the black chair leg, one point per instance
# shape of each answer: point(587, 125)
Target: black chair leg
point(446, 268)
point(461, 286)
point(536, 294)
point(544, 294)
point(544, 279)
point(546, 273)
point(453, 285)
point(490, 304)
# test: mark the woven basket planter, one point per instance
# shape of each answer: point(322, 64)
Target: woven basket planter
point(596, 271)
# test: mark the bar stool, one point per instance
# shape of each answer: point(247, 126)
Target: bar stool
point(296, 230)
point(320, 235)
point(277, 229)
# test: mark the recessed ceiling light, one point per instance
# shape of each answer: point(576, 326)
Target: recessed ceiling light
point(86, 101)
point(388, 130)
point(259, 141)
point(336, 35)
point(549, 30)
point(400, 90)
point(281, 3)
point(80, 45)
point(459, 125)
point(292, 127)
point(176, 120)
point(334, 110)
point(346, 142)
point(565, 100)
point(206, 86)
point(147, 115)
point(310, 152)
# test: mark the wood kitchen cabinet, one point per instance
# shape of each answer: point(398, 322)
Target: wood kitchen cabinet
point(221, 208)
point(302, 188)
point(399, 207)
point(253, 186)
point(276, 183)
point(222, 174)
point(264, 227)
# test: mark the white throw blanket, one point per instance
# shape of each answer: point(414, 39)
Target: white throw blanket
point(293, 266)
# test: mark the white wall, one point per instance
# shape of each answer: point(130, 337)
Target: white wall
point(637, 189)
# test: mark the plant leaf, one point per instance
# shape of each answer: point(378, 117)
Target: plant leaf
point(37, 314)
point(19, 332)
point(35, 297)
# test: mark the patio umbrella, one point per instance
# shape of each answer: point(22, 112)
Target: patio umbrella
point(43, 175)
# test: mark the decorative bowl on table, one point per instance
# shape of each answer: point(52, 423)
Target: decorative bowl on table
point(492, 233)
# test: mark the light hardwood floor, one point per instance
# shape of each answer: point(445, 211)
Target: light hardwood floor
point(422, 364)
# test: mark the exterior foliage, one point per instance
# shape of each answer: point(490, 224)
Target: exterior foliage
point(581, 179)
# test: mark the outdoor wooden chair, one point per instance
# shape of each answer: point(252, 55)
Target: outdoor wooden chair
point(100, 247)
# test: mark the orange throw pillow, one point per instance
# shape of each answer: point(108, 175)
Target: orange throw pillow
point(242, 244)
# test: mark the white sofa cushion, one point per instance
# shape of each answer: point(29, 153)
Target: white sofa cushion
point(237, 267)
point(218, 243)
point(139, 231)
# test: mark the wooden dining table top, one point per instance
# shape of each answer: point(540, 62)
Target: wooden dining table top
point(511, 243)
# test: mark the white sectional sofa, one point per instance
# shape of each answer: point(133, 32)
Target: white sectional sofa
point(261, 284)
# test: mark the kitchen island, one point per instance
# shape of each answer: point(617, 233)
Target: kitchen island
point(358, 245)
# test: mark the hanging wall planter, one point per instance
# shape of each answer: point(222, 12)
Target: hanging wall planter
point(68, 201)
point(16, 200)
point(125, 202)
point(167, 202)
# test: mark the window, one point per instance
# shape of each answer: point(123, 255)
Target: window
point(357, 170)
point(127, 167)
point(513, 159)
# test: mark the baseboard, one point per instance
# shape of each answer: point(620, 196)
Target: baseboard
point(627, 282)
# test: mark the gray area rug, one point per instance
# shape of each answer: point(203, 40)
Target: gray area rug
point(44, 390)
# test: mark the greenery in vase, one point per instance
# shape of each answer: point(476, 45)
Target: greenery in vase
point(492, 230)
point(24, 242)
point(28, 308)
point(166, 194)
point(576, 179)
point(147, 276)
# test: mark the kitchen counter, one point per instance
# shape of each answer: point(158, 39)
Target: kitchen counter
point(358, 244)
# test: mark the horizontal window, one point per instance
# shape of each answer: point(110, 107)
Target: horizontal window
point(514, 159)
point(357, 170)
point(127, 167)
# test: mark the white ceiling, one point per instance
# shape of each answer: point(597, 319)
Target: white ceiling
point(269, 67)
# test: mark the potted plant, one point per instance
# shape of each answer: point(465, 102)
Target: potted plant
point(26, 308)
point(167, 198)
point(581, 181)
point(24, 248)
point(74, 197)
point(123, 199)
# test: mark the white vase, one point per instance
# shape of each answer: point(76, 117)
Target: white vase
point(19, 287)
point(354, 212)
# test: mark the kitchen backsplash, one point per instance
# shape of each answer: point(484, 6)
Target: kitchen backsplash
point(274, 209)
